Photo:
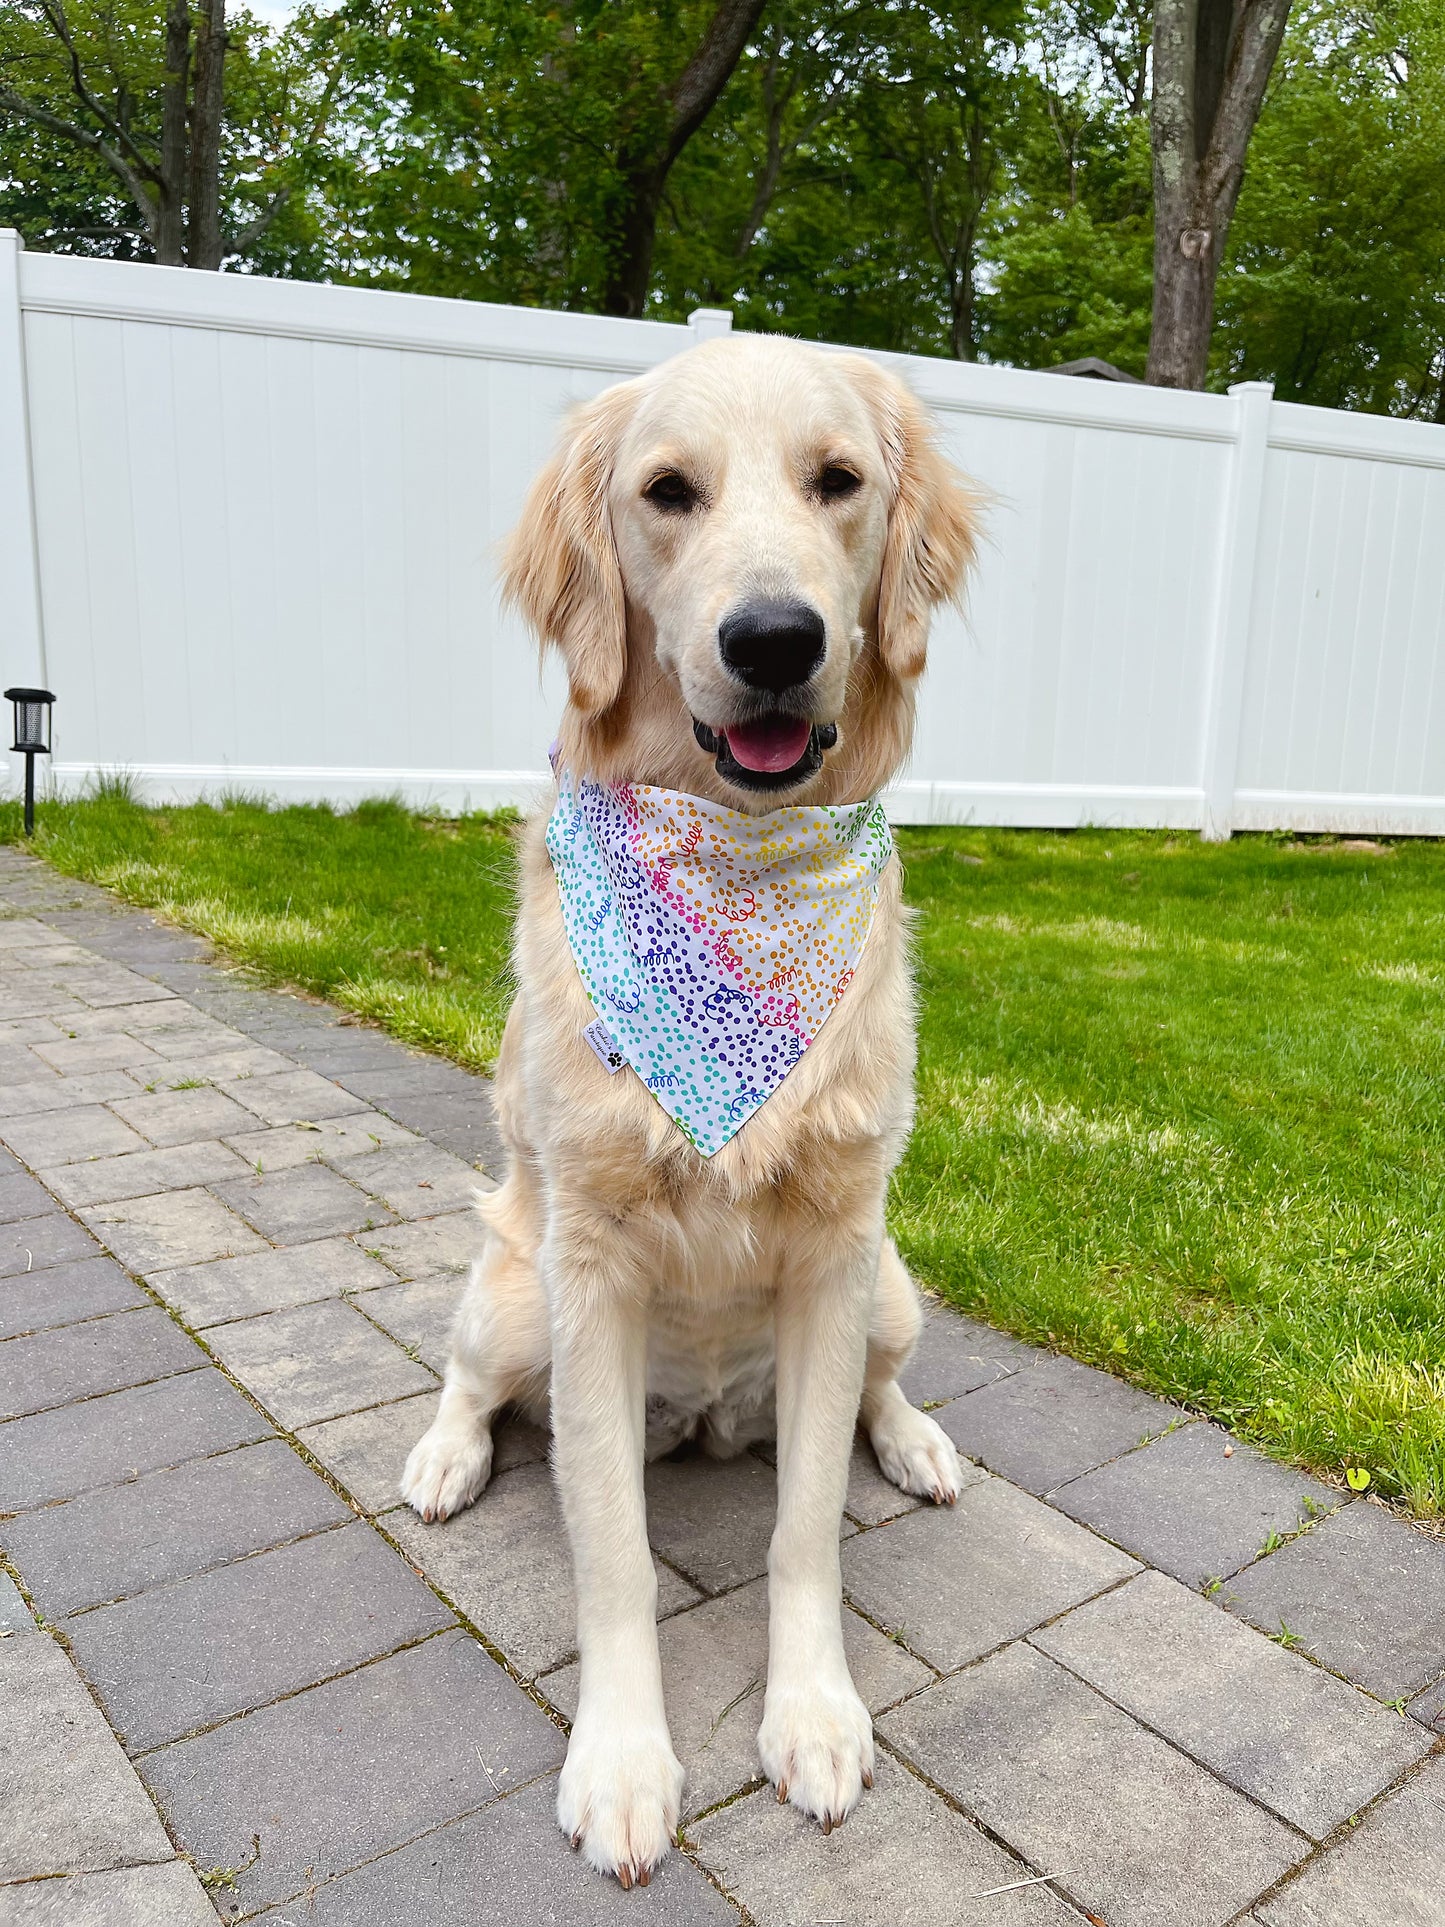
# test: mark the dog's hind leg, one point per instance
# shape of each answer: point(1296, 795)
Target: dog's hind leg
point(501, 1355)
point(914, 1451)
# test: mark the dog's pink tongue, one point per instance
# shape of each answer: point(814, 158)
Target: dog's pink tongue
point(774, 744)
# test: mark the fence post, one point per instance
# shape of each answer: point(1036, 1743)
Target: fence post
point(22, 641)
point(708, 323)
point(1224, 700)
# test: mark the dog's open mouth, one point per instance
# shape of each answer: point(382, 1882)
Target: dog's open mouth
point(771, 753)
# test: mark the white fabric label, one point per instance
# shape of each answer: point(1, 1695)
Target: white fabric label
point(608, 1055)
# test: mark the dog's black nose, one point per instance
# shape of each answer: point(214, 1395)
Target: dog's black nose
point(772, 645)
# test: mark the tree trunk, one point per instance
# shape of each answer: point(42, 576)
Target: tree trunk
point(644, 171)
point(203, 234)
point(170, 215)
point(630, 270)
point(1212, 62)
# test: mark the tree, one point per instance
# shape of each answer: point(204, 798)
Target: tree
point(156, 133)
point(1335, 284)
point(936, 110)
point(519, 153)
point(1212, 62)
point(1069, 241)
point(652, 143)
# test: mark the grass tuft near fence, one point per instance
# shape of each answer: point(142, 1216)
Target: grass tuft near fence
point(1180, 1106)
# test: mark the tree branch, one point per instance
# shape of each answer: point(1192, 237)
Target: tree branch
point(252, 233)
point(60, 27)
point(696, 89)
point(70, 130)
point(1252, 51)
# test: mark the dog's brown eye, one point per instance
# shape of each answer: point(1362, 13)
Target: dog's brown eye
point(836, 481)
point(670, 491)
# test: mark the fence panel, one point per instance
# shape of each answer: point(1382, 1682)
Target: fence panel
point(259, 523)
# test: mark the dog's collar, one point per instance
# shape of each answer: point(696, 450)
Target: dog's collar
point(712, 944)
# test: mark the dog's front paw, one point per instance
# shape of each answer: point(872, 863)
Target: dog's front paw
point(447, 1468)
point(816, 1746)
point(917, 1454)
point(619, 1796)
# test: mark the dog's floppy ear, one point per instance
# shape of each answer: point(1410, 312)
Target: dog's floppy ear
point(932, 522)
point(560, 564)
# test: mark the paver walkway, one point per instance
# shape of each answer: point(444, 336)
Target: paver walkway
point(232, 1227)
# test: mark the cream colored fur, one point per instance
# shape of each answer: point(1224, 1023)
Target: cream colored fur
point(652, 1294)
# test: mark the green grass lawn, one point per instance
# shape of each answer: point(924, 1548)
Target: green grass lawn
point(1181, 1107)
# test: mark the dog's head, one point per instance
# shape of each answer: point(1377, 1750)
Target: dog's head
point(739, 554)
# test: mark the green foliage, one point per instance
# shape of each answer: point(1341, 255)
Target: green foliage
point(1335, 283)
point(1178, 1103)
point(1178, 1117)
point(284, 95)
point(966, 177)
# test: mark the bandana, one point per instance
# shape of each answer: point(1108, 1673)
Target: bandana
point(713, 945)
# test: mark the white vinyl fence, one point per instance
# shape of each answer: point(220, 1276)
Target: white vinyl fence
point(247, 532)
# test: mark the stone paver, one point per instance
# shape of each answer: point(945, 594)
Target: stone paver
point(956, 1355)
point(462, 1122)
point(1362, 1593)
point(713, 1518)
point(174, 1228)
point(101, 1355)
point(22, 1197)
point(310, 1201)
point(287, 1097)
point(1184, 1507)
point(1429, 1707)
point(1386, 1871)
point(33, 1243)
point(1269, 1722)
point(69, 1802)
point(714, 1664)
point(82, 1055)
point(288, 1672)
point(165, 1896)
point(168, 1525)
point(336, 1775)
point(63, 1294)
point(366, 1451)
point(48, 1092)
point(317, 1362)
point(335, 1141)
point(1131, 1827)
point(872, 1499)
point(419, 1315)
point(416, 1181)
point(512, 1853)
point(1052, 1421)
point(15, 1615)
point(183, 1656)
point(65, 1136)
point(183, 1117)
point(903, 1856)
point(141, 1174)
point(230, 1288)
point(448, 1243)
point(504, 1563)
point(954, 1582)
point(79, 1448)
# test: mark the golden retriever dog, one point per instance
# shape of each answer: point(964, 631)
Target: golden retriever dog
point(749, 538)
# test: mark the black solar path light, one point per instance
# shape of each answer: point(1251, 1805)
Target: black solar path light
point(32, 738)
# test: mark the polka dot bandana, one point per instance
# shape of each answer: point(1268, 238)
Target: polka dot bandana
point(713, 945)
